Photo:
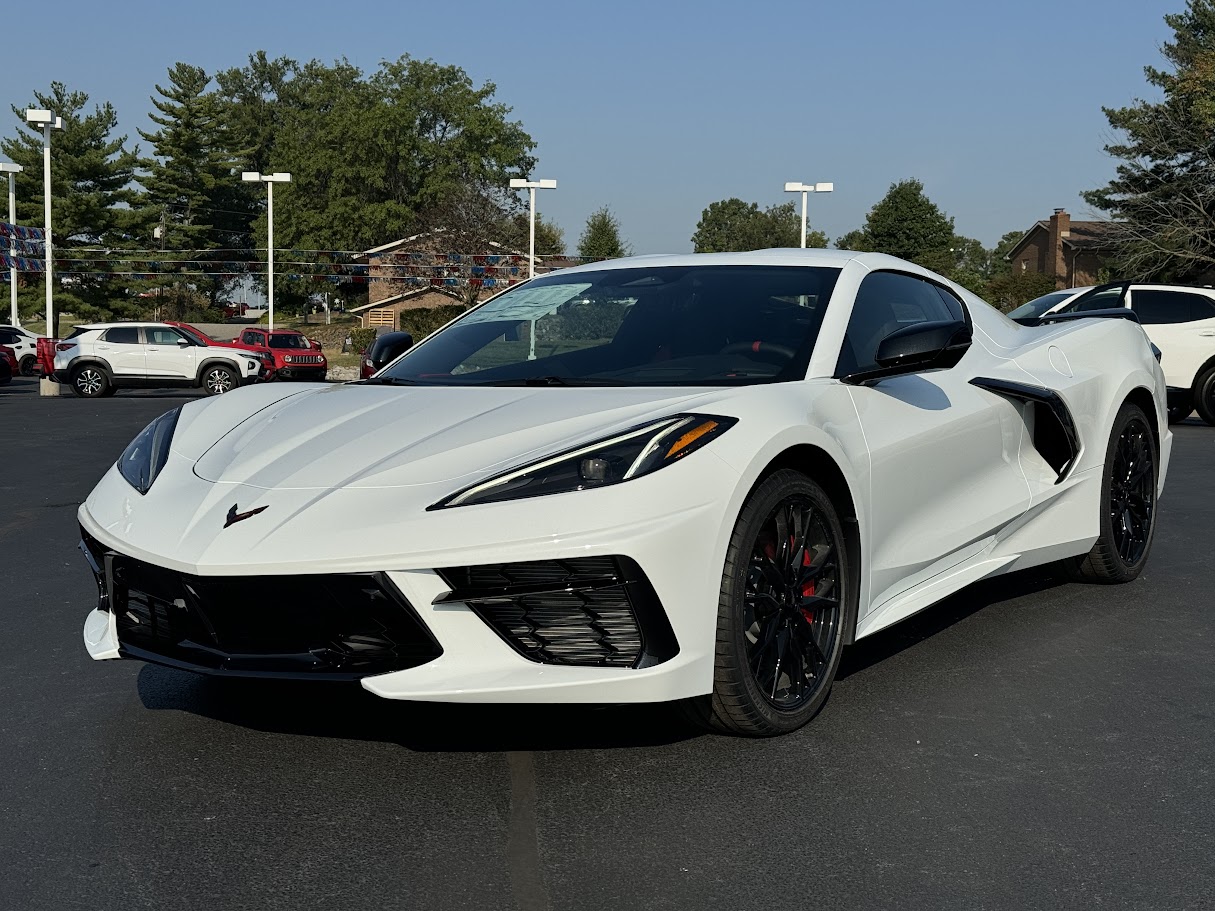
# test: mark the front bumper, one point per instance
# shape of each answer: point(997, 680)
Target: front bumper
point(677, 551)
point(315, 374)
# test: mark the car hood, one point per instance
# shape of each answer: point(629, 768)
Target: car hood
point(358, 436)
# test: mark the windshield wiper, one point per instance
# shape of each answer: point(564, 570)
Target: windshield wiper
point(556, 381)
point(389, 381)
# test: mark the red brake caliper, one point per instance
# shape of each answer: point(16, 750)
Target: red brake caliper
point(807, 590)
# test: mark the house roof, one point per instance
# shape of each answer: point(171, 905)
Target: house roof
point(1082, 235)
point(397, 298)
point(393, 246)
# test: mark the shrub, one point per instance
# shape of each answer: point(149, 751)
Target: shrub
point(420, 323)
point(361, 338)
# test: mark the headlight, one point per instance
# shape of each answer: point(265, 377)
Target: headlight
point(142, 461)
point(287, 358)
point(628, 455)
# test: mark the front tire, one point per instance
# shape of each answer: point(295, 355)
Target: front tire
point(1128, 503)
point(781, 611)
point(90, 381)
point(218, 379)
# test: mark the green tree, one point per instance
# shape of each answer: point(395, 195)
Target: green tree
point(732, 225)
point(907, 224)
point(91, 176)
point(601, 237)
point(1162, 196)
point(1014, 288)
point(193, 194)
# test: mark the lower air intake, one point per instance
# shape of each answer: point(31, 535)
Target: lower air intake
point(583, 612)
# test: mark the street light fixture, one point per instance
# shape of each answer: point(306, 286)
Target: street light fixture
point(269, 180)
point(806, 189)
point(12, 170)
point(39, 117)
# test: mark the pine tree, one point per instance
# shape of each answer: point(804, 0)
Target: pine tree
point(1163, 195)
point(91, 176)
point(601, 237)
point(192, 191)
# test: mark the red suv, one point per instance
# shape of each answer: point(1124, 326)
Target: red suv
point(296, 357)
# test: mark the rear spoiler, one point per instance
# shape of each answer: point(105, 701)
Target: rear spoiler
point(1111, 313)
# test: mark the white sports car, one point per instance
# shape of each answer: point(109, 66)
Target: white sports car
point(660, 478)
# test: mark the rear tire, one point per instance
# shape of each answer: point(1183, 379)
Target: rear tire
point(780, 613)
point(1128, 504)
point(26, 365)
point(218, 379)
point(89, 381)
point(1204, 396)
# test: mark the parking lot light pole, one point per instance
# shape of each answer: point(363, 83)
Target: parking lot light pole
point(520, 183)
point(269, 180)
point(37, 117)
point(806, 189)
point(12, 170)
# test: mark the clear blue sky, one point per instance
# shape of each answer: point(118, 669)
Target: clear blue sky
point(658, 108)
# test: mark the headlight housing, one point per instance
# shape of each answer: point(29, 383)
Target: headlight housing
point(640, 451)
point(143, 460)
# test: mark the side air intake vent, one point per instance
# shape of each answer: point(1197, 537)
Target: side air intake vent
point(585, 611)
point(1055, 435)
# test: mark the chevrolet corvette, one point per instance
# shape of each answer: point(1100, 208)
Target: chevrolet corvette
point(661, 478)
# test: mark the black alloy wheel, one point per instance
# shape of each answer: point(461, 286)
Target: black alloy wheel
point(780, 626)
point(219, 380)
point(1128, 503)
point(27, 364)
point(1132, 495)
point(90, 381)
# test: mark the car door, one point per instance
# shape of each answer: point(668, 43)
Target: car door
point(122, 349)
point(169, 353)
point(1182, 325)
point(944, 472)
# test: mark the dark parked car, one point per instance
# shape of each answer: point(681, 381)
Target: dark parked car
point(8, 365)
point(385, 348)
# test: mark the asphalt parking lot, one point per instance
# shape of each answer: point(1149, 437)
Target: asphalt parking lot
point(1029, 743)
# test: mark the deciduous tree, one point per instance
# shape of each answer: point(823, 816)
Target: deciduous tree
point(731, 225)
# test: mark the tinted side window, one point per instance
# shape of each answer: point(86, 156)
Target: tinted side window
point(251, 338)
point(123, 336)
point(8, 337)
point(885, 303)
point(1154, 307)
point(1201, 306)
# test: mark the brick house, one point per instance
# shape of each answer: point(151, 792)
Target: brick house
point(418, 272)
point(1071, 252)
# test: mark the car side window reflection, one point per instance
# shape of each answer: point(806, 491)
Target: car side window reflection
point(885, 303)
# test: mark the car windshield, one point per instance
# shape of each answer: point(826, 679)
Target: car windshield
point(645, 326)
point(1040, 305)
point(289, 341)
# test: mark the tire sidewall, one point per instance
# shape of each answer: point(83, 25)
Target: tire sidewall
point(736, 665)
point(1204, 397)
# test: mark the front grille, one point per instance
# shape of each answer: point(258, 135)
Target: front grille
point(306, 359)
point(585, 611)
point(341, 626)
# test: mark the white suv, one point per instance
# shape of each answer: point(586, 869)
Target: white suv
point(1179, 320)
point(98, 360)
point(25, 347)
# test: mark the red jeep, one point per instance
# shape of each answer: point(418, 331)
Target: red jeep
point(296, 357)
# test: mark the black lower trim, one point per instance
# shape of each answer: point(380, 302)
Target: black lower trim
point(333, 627)
point(583, 611)
point(1055, 435)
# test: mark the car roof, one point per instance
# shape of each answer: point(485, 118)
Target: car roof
point(788, 256)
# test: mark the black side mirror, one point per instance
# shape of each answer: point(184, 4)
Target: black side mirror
point(394, 349)
point(935, 345)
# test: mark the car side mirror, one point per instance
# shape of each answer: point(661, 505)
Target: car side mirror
point(182, 343)
point(933, 345)
point(316, 346)
point(396, 349)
